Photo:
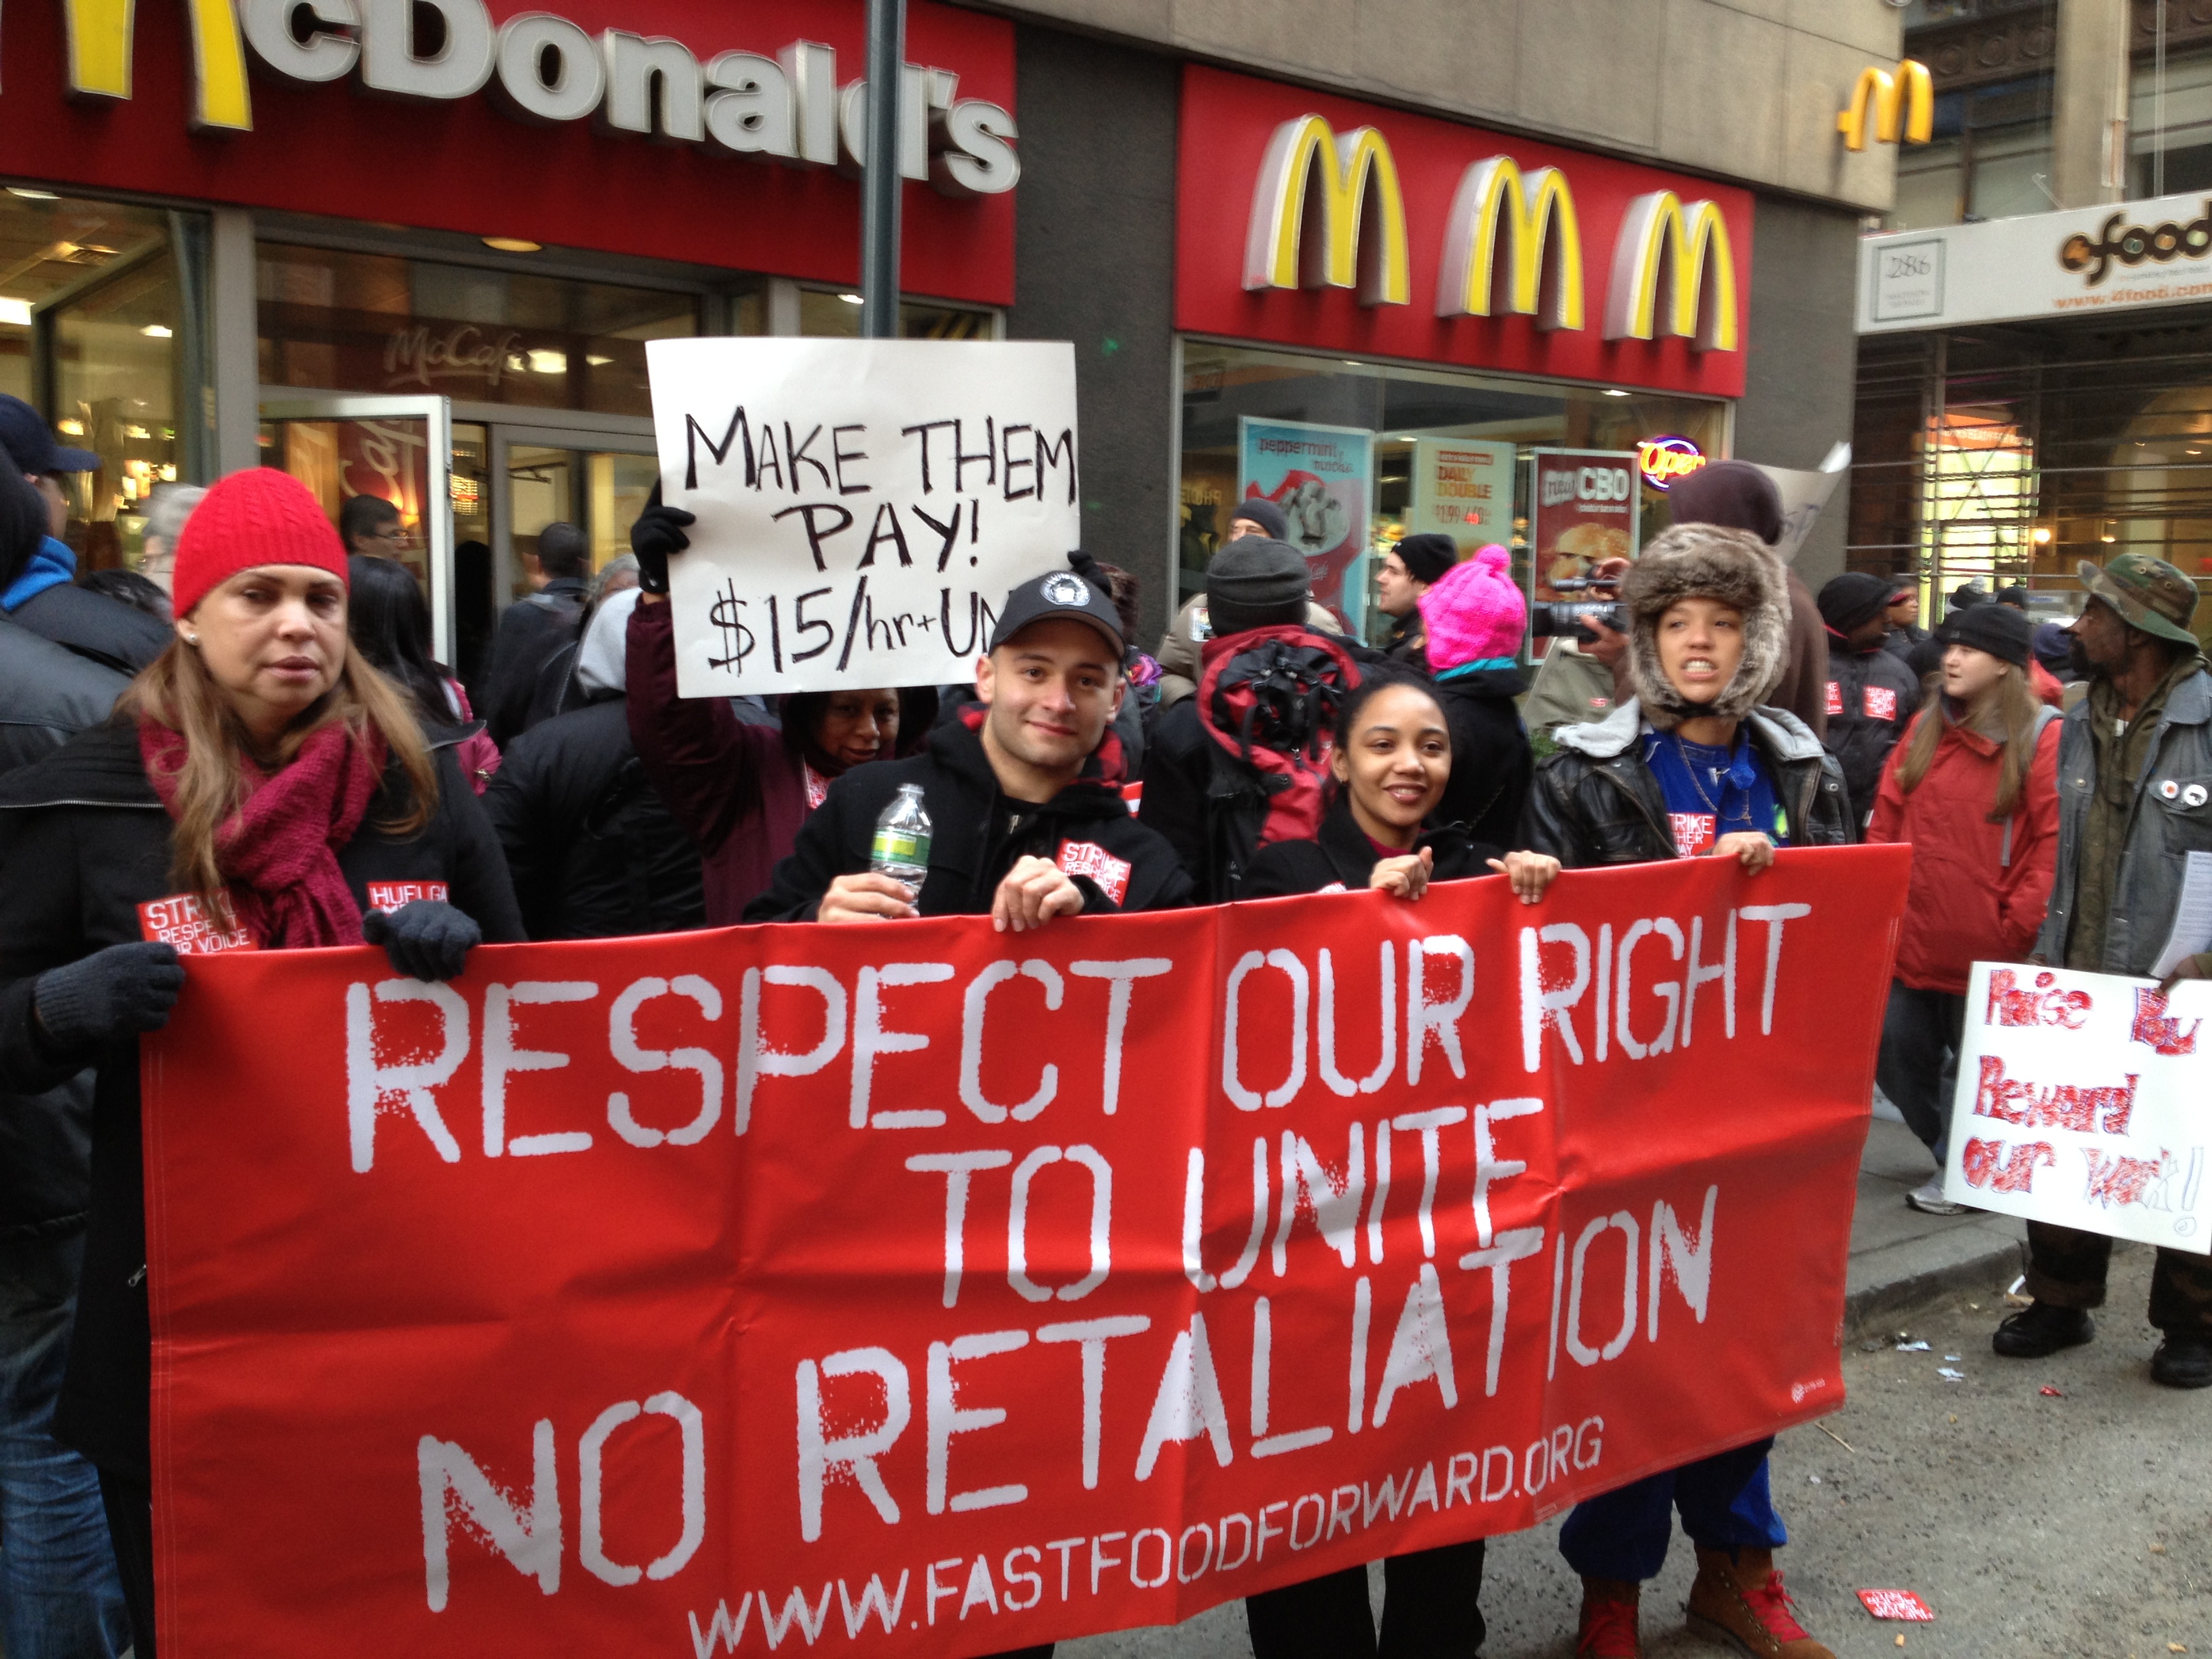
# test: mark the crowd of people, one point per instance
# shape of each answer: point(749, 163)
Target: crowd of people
point(276, 735)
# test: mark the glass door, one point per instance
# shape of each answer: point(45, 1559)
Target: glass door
point(399, 448)
point(597, 481)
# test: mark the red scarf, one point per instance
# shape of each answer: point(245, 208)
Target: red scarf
point(279, 854)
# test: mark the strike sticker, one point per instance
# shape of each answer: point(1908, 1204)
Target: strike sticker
point(182, 920)
point(1880, 704)
point(1835, 698)
point(389, 896)
point(1897, 1604)
point(1693, 832)
point(1133, 793)
point(1086, 858)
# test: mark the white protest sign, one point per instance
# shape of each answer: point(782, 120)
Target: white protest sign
point(863, 505)
point(2085, 1100)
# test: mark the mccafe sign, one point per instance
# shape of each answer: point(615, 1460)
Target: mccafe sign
point(539, 67)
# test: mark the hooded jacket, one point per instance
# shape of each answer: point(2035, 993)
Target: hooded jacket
point(1872, 697)
point(1339, 856)
point(1492, 760)
point(1178, 655)
point(1979, 889)
point(975, 837)
point(84, 841)
point(530, 633)
point(106, 631)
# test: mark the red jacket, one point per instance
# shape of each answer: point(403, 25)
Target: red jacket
point(1979, 889)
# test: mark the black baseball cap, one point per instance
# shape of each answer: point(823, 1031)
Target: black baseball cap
point(25, 435)
point(1068, 593)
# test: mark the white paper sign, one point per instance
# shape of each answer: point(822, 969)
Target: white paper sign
point(863, 505)
point(2085, 1100)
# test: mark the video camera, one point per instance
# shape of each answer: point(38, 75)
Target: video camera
point(1563, 618)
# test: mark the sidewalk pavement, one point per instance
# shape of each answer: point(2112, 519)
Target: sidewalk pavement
point(1899, 1256)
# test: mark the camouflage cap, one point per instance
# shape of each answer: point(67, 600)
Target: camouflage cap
point(2149, 594)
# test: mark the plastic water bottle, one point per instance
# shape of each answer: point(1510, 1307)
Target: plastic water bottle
point(900, 848)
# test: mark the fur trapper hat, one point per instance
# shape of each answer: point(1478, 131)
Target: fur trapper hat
point(1702, 561)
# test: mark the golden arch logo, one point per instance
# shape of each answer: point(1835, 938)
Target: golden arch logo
point(1673, 270)
point(1349, 184)
point(1899, 107)
point(100, 51)
point(1542, 276)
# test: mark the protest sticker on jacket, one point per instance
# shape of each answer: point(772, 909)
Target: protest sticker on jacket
point(2080, 1102)
point(1323, 478)
point(1583, 506)
point(923, 1289)
point(863, 505)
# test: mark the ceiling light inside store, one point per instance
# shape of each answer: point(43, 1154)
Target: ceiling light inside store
point(2042, 535)
point(72, 428)
point(599, 362)
point(30, 195)
point(1615, 392)
point(549, 362)
point(851, 299)
point(513, 244)
point(158, 331)
point(17, 312)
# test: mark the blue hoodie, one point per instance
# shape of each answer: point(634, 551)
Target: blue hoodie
point(50, 566)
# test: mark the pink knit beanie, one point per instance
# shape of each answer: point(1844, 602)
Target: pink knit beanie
point(1474, 612)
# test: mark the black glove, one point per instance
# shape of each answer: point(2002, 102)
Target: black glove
point(109, 996)
point(426, 939)
point(657, 532)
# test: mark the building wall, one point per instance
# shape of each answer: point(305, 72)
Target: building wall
point(1095, 264)
point(1798, 386)
point(1636, 77)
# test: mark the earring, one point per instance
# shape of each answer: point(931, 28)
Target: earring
point(193, 639)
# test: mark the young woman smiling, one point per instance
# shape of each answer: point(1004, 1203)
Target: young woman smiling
point(262, 773)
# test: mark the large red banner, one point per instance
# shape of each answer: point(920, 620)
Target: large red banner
point(926, 1289)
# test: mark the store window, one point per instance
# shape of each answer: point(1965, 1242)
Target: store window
point(1359, 454)
point(835, 315)
point(337, 321)
point(2170, 126)
point(93, 334)
point(1990, 158)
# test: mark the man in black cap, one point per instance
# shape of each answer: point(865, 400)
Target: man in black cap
point(2135, 756)
point(1407, 571)
point(1871, 694)
point(1023, 789)
point(38, 569)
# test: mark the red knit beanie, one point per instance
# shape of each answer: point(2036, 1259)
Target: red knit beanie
point(254, 517)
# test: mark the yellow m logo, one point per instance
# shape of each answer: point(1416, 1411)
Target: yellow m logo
point(1543, 277)
point(1352, 184)
point(1898, 107)
point(1673, 270)
point(99, 40)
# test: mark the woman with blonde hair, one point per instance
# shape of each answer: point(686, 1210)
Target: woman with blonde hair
point(1973, 786)
point(260, 786)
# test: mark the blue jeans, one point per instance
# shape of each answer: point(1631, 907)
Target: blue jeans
point(1724, 1502)
point(59, 1595)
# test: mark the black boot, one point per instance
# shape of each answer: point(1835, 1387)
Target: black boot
point(2183, 1361)
point(2039, 1329)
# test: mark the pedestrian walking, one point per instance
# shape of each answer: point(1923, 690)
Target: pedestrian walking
point(1694, 764)
point(1871, 694)
point(371, 528)
point(2133, 756)
point(1475, 619)
point(1973, 788)
point(260, 769)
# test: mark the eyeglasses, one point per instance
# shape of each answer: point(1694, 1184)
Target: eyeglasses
point(391, 532)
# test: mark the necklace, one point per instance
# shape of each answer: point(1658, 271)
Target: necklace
point(1682, 753)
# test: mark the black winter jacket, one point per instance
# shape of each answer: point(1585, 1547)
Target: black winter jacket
point(530, 632)
point(84, 842)
point(47, 694)
point(108, 631)
point(1341, 855)
point(1595, 801)
point(1492, 760)
point(592, 846)
point(1872, 695)
point(973, 841)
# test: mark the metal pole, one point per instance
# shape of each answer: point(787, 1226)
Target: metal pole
point(880, 177)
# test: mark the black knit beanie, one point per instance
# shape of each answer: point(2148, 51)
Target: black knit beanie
point(1427, 555)
point(1255, 582)
point(1261, 512)
point(1847, 600)
point(1998, 629)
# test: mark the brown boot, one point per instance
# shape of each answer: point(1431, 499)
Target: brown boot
point(1607, 1629)
point(1738, 1594)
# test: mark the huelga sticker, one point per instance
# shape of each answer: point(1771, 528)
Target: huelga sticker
point(1880, 704)
point(1087, 858)
point(388, 895)
point(1835, 698)
point(182, 920)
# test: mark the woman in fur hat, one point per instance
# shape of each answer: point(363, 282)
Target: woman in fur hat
point(1694, 765)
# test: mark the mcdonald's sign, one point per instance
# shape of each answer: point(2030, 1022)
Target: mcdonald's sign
point(100, 53)
point(1673, 270)
point(1900, 107)
point(1535, 212)
point(1360, 238)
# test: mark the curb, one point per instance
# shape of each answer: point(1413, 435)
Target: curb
point(1988, 1267)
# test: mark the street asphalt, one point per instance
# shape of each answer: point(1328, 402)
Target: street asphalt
point(2078, 1523)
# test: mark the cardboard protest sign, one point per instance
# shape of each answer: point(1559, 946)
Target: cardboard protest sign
point(2082, 1101)
point(921, 1289)
point(863, 505)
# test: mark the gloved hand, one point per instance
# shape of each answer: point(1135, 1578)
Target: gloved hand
point(426, 939)
point(109, 996)
point(657, 532)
